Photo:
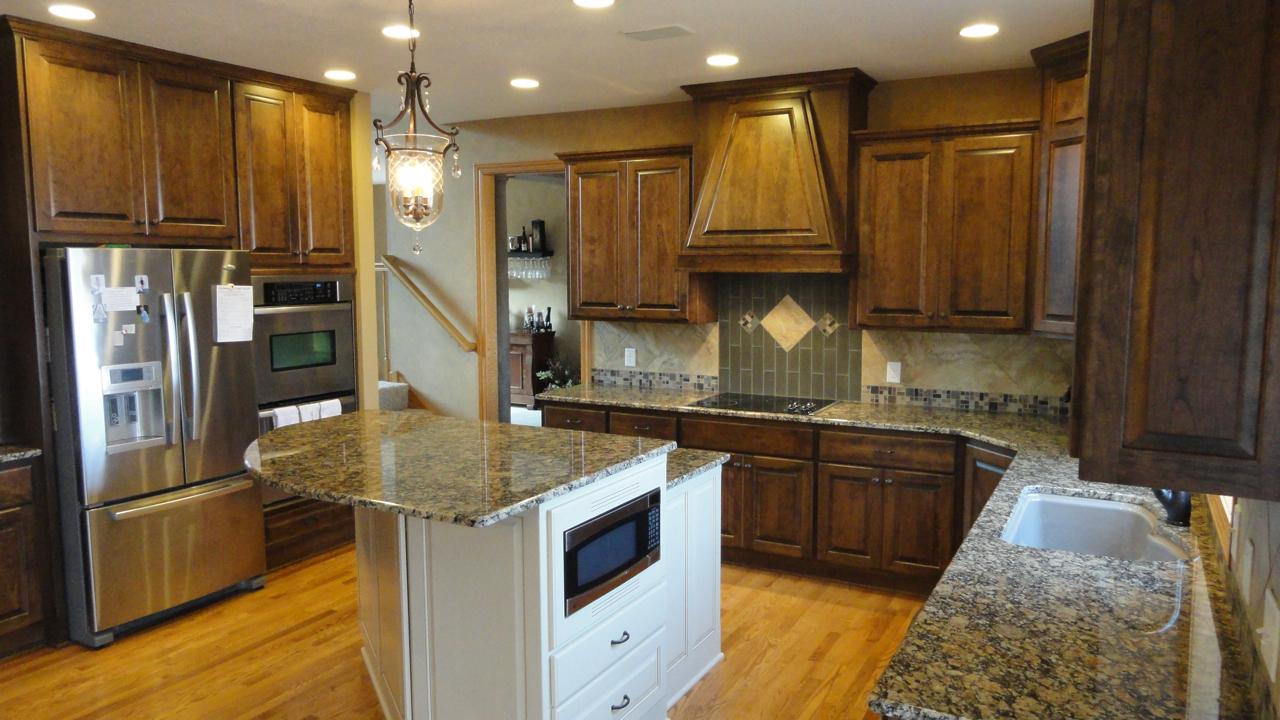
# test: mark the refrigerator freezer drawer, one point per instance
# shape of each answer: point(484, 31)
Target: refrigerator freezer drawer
point(153, 554)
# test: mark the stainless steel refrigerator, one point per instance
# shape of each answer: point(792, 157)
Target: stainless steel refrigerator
point(154, 404)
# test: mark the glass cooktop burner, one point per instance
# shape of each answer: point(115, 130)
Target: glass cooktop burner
point(764, 403)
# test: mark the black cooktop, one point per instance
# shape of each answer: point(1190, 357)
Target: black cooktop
point(764, 403)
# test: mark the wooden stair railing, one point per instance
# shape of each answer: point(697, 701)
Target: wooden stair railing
point(395, 268)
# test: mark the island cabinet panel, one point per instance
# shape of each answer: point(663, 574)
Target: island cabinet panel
point(984, 468)
point(569, 418)
point(919, 509)
point(691, 549)
point(1179, 358)
point(266, 165)
point(642, 424)
point(778, 499)
point(83, 107)
point(850, 515)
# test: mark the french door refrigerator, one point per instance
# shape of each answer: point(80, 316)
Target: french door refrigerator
point(154, 404)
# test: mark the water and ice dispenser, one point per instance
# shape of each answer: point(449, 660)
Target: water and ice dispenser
point(133, 406)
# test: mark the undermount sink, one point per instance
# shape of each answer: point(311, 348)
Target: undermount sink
point(1090, 526)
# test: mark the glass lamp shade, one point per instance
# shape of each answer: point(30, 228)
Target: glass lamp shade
point(415, 177)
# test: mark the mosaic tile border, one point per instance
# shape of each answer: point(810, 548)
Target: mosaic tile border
point(660, 380)
point(964, 400)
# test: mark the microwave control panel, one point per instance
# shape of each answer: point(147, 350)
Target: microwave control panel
point(300, 293)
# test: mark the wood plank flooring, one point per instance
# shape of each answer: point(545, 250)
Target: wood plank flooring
point(794, 648)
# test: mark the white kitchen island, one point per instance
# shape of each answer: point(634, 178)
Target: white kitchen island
point(467, 604)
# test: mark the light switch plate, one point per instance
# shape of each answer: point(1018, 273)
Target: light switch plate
point(629, 357)
point(893, 372)
point(1271, 633)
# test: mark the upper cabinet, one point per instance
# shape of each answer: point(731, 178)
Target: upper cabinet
point(168, 149)
point(944, 222)
point(1064, 68)
point(628, 215)
point(771, 164)
point(1178, 353)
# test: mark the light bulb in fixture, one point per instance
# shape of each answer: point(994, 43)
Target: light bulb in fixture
point(340, 75)
point(524, 83)
point(979, 31)
point(593, 4)
point(722, 60)
point(72, 12)
point(400, 32)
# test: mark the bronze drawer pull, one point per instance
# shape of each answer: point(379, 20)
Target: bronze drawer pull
point(637, 427)
point(875, 481)
point(626, 700)
point(886, 452)
point(573, 422)
point(888, 481)
point(625, 637)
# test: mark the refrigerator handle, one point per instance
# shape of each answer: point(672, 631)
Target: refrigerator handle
point(171, 331)
point(194, 351)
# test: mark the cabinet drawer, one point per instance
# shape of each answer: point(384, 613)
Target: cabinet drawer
point(575, 419)
point(15, 486)
point(610, 641)
point(642, 425)
point(633, 685)
point(914, 453)
point(746, 438)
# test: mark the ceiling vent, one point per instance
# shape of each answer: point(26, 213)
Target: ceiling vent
point(662, 33)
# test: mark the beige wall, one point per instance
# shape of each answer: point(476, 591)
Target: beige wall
point(1012, 364)
point(446, 269)
point(533, 197)
point(1259, 522)
point(955, 100)
point(685, 349)
point(366, 287)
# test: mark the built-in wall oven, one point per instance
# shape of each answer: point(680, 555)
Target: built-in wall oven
point(611, 548)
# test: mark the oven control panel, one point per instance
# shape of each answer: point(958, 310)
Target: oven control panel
point(300, 293)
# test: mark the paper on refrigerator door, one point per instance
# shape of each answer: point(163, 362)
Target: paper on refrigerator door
point(121, 299)
point(233, 308)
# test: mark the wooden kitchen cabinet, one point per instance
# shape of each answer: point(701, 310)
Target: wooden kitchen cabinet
point(731, 502)
point(574, 418)
point(25, 561)
point(984, 468)
point(778, 506)
point(636, 423)
point(919, 512)
point(850, 515)
point(325, 220)
point(628, 215)
point(529, 355)
point(1178, 349)
point(944, 225)
point(1064, 71)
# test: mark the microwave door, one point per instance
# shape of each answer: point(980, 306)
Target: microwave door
point(220, 396)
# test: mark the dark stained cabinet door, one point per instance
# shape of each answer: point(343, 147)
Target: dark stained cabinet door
point(86, 149)
point(850, 515)
point(731, 502)
point(597, 221)
point(658, 192)
point(918, 516)
point(266, 166)
point(20, 604)
point(778, 506)
point(983, 470)
point(190, 157)
point(325, 219)
point(986, 195)
point(897, 267)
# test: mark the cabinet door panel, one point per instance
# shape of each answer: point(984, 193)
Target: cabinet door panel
point(572, 418)
point(918, 516)
point(1055, 303)
point(597, 218)
point(659, 204)
point(731, 502)
point(983, 470)
point(190, 155)
point(266, 166)
point(19, 588)
point(985, 196)
point(779, 506)
point(850, 515)
point(86, 159)
point(897, 284)
point(325, 220)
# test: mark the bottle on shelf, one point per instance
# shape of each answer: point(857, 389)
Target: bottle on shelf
point(547, 327)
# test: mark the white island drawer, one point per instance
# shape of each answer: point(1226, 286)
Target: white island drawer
point(634, 686)
point(617, 635)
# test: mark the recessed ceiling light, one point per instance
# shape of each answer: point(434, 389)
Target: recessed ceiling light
point(399, 32)
point(977, 31)
point(524, 83)
point(722, 60)
point(593, 3)
point(340, 75)
point(72, 12)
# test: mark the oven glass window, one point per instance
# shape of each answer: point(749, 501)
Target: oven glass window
point(605, 554)
point(303, 350)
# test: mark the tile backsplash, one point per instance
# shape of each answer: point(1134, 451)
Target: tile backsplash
point(788, 334)
point(660, 348)
point(662, 380)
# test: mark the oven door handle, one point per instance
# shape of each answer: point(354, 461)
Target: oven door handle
point(288, 309)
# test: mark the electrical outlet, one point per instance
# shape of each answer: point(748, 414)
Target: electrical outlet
point(1271, 634)
point(893, 372)
point(629, 357)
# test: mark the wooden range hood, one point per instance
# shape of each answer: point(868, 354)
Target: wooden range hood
point(771, 161)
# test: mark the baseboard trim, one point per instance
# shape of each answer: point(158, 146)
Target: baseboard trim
point(677, 697)
point(379, 688)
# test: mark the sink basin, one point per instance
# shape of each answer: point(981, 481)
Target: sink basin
point(1086, 525)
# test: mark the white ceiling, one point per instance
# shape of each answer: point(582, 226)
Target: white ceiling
point(473, 48)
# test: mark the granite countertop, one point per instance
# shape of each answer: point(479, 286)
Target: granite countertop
point(1019, 632)
point(459, 471)
point(687, 463)
point(10, 453)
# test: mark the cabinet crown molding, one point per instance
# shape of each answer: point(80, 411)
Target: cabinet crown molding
point(641, 153)
point(1065, 49)
point(947, 131)
point(853, 77)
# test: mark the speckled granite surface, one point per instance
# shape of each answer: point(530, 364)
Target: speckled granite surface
point(424, 465)
point(686, 463)
point(1018, 632)
point(9, 453)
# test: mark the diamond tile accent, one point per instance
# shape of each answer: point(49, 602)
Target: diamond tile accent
point(788, 323)
point(827, 325)
point(749, 322)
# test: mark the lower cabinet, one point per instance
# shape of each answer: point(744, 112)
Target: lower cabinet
point(19, 588)
point(778, 504)
point(984, 467)
point(691, 550)
point(299, 528)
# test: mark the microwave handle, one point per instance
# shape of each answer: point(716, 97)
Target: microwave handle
point(171, 333)
point(194, 350)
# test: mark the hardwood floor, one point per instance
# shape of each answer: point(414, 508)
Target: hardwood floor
point(794, 648)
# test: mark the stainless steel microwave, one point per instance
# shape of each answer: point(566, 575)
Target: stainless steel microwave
point(304, 338)
point(611, 548)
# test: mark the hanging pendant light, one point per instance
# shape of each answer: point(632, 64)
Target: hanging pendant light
point(415, 162)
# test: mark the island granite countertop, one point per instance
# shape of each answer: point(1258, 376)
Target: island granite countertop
point(11, 453)
point(687, 463)
point(459, 471)
point(1020, 632)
